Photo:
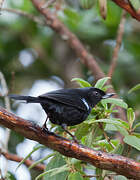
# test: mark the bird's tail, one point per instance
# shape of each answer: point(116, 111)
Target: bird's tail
point(28, 99)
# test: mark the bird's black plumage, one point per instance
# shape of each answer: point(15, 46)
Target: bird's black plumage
point(67, 106)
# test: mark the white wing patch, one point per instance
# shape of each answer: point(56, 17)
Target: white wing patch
point(85, 103)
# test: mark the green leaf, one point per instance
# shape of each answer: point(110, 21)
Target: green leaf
point(137, 87)
point(137, 125)
point(94, 135)
point(82, 82)
point(75, 161)
point(89, 139)
point(9, 176)
point(53, 172)
point(120, 177)
point(99, 172)
point(77, 166)
point(105, 144)
point(123, 131)
point(117, 102)
point(119, 149)
point(136, 134)
point(101, 82)
point(113, 15)
point(82, 130)
point(60, 170)
point(34, 149)
point(72, 14)
point(41, 160)
point(115, 127)
point(57, 162)
point(130, 116)
point(105, 88)
point(135, 4)
point(110, 127)
point(132, 141)
point(114, 121)
point(86, 4)
point(75, 176)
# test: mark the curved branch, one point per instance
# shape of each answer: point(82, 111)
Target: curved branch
point(127, 6)
point(53, 22)
point(112, 162)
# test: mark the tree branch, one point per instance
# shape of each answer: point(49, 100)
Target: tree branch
point(118, 44)
point(127, 6)
point(25, 14)
point(112, 162)
point(14, 157)
point(53, 22)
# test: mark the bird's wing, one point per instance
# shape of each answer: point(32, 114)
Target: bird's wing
point(68, 97)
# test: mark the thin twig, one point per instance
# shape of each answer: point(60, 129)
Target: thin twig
point(13, 157)
point(105, 135)
point(118, 44)
point(25, 14)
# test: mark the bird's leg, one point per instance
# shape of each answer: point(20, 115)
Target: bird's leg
point(64, 127)
point(44, 125)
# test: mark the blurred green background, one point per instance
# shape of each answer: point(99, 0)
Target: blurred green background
point(31, 52)
point(45, 54)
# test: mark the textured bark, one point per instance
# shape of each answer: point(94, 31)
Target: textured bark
point(127, 6)
point(112, 162)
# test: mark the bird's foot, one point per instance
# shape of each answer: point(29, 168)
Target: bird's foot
point(44, 128)
point(65, 129)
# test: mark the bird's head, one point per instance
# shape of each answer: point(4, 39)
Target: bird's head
point(96, 95)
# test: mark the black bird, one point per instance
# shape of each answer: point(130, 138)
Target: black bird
point(67, 107)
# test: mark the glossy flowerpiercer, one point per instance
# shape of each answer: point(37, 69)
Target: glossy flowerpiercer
point(67, 107)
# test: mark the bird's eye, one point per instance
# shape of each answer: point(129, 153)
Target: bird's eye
point(96, 93)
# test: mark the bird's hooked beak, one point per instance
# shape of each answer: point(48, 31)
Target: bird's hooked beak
point(108, 95)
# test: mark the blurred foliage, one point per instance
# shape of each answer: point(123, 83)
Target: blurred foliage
point(29, 52)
